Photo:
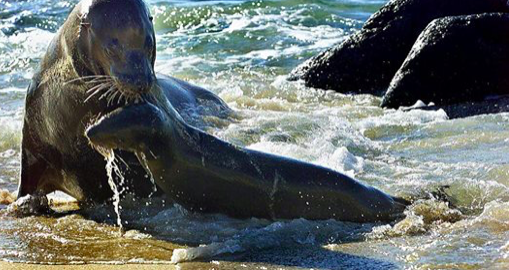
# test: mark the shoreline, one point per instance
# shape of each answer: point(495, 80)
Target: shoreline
point(28, 266)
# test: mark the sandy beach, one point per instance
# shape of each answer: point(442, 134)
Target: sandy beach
point(24, 266)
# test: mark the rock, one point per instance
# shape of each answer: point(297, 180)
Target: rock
point(367, 60)
point(6, 197)
point(30, 205)
point(456, 59)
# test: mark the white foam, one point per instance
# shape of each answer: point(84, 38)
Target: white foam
point(400, 118)
point(494, 217)
point(238, 24)
point(229, 236)
point(505, 250)
point(12, 90)
point(205, 251)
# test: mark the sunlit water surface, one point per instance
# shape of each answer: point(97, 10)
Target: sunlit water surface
point(242, 50)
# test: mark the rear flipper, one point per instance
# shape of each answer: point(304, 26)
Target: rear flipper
point(438, 193)
point(402, 201)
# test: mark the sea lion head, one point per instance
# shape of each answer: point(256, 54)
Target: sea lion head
point(116, 38)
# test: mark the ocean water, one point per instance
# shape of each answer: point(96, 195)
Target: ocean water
point(242, 51)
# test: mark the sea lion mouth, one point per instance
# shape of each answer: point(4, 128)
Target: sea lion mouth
point(106, 89)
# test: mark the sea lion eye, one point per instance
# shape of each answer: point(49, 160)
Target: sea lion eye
point(110, 50)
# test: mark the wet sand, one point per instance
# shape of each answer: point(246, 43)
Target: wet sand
point(24, 266)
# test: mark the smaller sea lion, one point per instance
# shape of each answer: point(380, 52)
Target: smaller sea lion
point(205, 174)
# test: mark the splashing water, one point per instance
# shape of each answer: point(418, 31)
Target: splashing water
point(112, 170)
point(143, 161)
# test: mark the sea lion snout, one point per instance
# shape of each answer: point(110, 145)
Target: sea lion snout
point(136, 74)
point(128, 128)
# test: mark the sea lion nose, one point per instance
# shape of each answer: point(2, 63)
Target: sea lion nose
point(141, 82)
point(136, 74)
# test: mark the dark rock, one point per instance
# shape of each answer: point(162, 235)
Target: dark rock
point(367, 60)
point(455, 59)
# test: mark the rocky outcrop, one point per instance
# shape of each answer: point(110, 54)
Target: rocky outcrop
point(454, 60)
point(367, 60)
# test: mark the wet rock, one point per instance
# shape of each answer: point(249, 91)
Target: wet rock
point(456, 59)
point(367, 60)
point(30, 205)
point(6, 197)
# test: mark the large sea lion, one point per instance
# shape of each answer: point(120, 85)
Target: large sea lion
point(104, 52)
point(102, 57)
point(203, 173)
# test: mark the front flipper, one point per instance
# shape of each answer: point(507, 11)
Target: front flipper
point(32, 170)
point(30, 205)
point(32, 188)
point(33, 167)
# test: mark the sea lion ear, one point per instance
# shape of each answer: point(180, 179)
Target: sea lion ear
point(86, 25)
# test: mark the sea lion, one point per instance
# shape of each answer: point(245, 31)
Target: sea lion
point(102, 57)
point(104, 53)
point(205, 174)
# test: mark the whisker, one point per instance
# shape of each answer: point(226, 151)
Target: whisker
point(86, 78)
point(130, 99)
point(105, 95)
point(97, 87)
point(99, 80)
point(98, 90)
point(113, 95)
point(93, 88)
point(122, 95)
point(111, 98)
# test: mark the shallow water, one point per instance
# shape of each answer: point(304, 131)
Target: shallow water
point(242, 51)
